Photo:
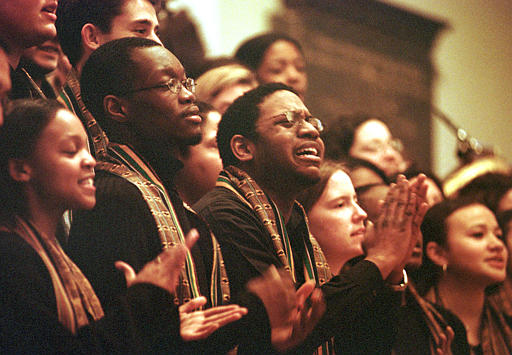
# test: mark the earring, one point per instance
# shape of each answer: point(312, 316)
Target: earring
point(445, 267)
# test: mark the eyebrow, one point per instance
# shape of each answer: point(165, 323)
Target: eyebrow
point(144, 22)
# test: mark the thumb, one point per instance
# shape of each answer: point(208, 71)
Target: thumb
point(193, 304)
point(129, 273)
point(304, 291)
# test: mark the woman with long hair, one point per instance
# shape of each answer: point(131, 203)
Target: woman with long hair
point(464, 255)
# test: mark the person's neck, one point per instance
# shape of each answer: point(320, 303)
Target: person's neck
point(44, 218)
point(79, 65)
point(335, 262)
point(283, 195)
point(465, 300)
point(14, 57)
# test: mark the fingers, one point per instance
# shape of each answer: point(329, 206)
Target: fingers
point(129, 273)
point(191, 238)
point(304, 292)
point(405, 206)
point(193, 304)
point(172, 258)
point(196, 325)
point(219, 311)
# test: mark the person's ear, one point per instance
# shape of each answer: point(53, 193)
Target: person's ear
point(20, 170)
point(242, 148)
point(91, 36)
point(436, 253)
point(115, 108)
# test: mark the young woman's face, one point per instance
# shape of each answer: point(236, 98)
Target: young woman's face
point(336, 220)
point(284, 63)
point(474, 249)
point(61, 167)
point(373, 143)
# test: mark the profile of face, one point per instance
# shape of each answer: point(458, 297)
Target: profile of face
point(158, 114)
point(61, 169)
point(474, 250)
point(29, 22)
point(288, 152)
point(336, 219)
point(225, 98)
point(373, 143)
point(5, 83)
point(137, 19)
point(284, 63)
point(202, 164)
point(43, 57)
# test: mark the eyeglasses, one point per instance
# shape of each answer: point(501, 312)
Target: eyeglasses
point(376, 147)
point(174, 86)
point(291, 119)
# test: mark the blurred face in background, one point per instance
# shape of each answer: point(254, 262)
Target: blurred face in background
point(43, 58)
point(138, 19)
point(284, 63)
point(202, 163)
point(225, 98)
point(373, 142)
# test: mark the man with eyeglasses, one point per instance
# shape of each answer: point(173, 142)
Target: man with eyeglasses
point(271, 151)
point(146, 105)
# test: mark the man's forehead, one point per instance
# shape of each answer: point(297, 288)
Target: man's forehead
point(281, 101)
point(158, 59)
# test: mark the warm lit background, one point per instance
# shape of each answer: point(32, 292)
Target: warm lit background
point(472, 56)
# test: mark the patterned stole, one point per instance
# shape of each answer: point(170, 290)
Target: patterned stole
point(435, 321)
point(94, 131)
point(75, 298)
point(315, 268)
point(126, 164)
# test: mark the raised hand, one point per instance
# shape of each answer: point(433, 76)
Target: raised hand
point(444, 348)
point(164, 271)
point(196, 324)
point(292, 314)
point(390, 243)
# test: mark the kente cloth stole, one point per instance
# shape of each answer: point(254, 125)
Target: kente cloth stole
point(248, 191)
point(99, 138)
point(125, 163)
point(76, 300)
point(435, 321)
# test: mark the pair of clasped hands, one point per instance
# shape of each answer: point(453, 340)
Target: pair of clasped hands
point(291, 317)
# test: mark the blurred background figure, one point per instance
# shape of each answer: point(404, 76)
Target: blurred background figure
point(201, 162)
point(220, 86)
point(464, 255)
point(275, 58)
point(492, 189)
point(41, 62)
point(368, 139)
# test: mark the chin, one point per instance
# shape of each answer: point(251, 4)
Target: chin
point(192, 140)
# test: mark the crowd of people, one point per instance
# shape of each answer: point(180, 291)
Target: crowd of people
point(144, 211)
